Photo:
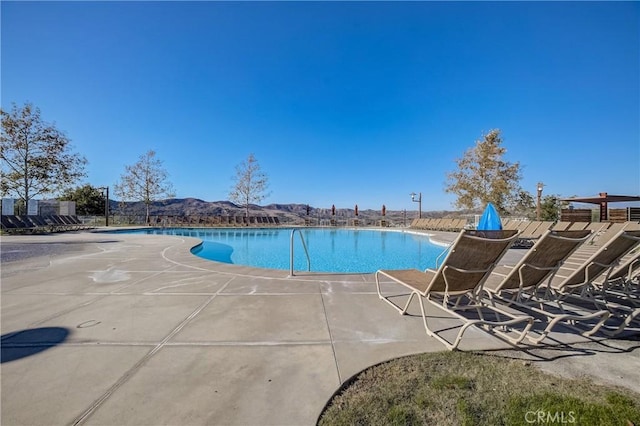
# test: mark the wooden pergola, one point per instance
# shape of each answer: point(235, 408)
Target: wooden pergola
point(603, 200)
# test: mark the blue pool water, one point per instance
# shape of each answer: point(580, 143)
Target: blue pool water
point(330, 250)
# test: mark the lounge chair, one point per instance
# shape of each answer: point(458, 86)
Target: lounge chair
point(512, 225)
point(624, 276)
point(417, 223)
point(602, 237)
point(31, 224)
point(42, 224)
point(459, 224)
point(598, 227)
point(28, 223)
point(578, 286)
point(518, 285)
point(55, 224)
point(67, 221)
point(435, 223)
point(445, 225)
point(456, 225)
point(539, 231)
point(9, 226)
point(528, 228)
point(604, 260)
point(578, 226)
point(467, 264)
point(532, 233)
point(431, 223)
point(76, 221)
point(601, 229)
point(561, 226)
point(623, 284)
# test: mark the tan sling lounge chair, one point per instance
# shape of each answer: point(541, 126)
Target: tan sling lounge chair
point(561, 226)
point(622, 286)
point(531, 233)
point(623, 277)
point(579, 286)
point(578, 226)
point(603, 261)
point(467, 264)
point(518, 286)
point(601, 238)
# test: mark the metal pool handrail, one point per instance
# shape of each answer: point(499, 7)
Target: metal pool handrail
point(291, 251)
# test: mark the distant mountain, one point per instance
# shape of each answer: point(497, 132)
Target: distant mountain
point(287, 213)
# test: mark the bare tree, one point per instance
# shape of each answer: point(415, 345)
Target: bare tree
point(36, 156)
point(524, 205)
point(483, 176)
point(145, 181)
point(250, 183)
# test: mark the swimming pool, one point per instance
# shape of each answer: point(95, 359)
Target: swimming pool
point(330, 250)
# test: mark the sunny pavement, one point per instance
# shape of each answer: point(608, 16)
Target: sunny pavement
point(132, 329)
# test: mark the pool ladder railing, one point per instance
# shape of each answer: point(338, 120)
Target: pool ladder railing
point(304, 244)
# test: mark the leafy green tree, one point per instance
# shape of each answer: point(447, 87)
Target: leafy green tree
point(550, 206)
point(251, 183)
point(483, 176)
point(146, 181)
point(89, 200)
point(36, 156)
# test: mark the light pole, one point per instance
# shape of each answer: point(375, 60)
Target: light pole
point(538, 204)
point(106, 204)
point(419, 201)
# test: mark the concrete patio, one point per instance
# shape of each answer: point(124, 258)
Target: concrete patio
point(134, 330)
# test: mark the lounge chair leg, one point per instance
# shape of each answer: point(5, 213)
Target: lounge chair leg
point(603, 315)
point(490, 325)
point(402, 311)
point(627, 320)
point(406, 306)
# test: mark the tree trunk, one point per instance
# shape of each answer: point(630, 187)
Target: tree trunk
point(26, 186)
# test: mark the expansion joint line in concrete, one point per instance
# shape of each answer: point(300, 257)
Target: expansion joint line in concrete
point(129, 373)
point(333, 348)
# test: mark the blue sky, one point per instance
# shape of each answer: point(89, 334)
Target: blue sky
point(341, 102)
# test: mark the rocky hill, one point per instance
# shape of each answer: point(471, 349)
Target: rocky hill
point(287, 213)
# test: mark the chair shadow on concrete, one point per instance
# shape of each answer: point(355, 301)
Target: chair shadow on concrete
point(25, 343)
point(560, 350)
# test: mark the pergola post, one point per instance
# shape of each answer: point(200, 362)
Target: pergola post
point(604, 207)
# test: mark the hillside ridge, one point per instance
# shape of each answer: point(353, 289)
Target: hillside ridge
point(291, 212)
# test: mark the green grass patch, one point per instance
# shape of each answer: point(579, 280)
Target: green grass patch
point(451, 382)
point(460, 388)
point(552, 408)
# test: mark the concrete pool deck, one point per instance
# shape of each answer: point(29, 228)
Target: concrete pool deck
point(132, 329)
